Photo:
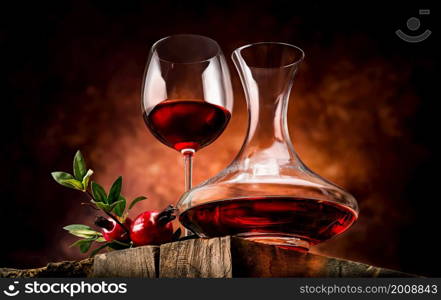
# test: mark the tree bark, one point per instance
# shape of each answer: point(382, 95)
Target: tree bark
point(82, 268)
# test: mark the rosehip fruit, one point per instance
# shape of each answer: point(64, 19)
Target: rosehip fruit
point(113, 231)
point(153, 227)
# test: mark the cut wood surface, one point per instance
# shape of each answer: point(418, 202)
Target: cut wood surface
point(203, 258)
point(257, 260)
point(236, 257)
point(135, 262)
point(223, 257)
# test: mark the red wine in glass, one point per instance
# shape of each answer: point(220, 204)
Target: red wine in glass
point(311, 220)
point(186, 124)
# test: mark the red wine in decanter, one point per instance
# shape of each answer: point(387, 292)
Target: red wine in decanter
point(311, 220)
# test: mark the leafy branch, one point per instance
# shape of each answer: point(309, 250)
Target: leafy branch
point(112, 204)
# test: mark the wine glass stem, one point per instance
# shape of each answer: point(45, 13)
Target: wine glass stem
point(188, 165)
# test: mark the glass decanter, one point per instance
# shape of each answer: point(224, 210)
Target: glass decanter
point(267, 194)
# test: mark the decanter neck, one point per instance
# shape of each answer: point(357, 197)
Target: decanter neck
point(267, 93)
point(267, 73)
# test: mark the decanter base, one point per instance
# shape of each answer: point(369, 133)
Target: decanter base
point(283, 241)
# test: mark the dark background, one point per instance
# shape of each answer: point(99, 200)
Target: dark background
point(364, 115)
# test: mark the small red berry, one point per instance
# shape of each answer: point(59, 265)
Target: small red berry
point(113, 231)
point(152, 227)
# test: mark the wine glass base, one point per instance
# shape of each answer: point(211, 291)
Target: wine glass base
point(283, 241)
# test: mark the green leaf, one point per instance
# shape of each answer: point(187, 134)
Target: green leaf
point(63, 179)
point(100, 240)
point(117, 245)
point(121, 206)
point(78, 234)
point(120, 243)
point(61, 176)
point(77, 227)
point(85, 233)
point(83, 244)
point(96, 250)
point(79, 166)
point(102, 205)
point(113, 245)
point(115, 191)
point(84, 247)
point(82, 231)
point(72, 183)
point(86, 179)
point(136, 200)
point(99, 194)
point(79, 242)
point(115, 204)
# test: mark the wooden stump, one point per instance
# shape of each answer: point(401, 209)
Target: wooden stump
point(224, 257)
point(136, 262)
point(256, 260)
point(236, 257)
point(203, 258)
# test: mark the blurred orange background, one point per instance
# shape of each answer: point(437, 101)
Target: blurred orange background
point(361, 115)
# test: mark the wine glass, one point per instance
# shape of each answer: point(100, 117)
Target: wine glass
point(187, 96)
